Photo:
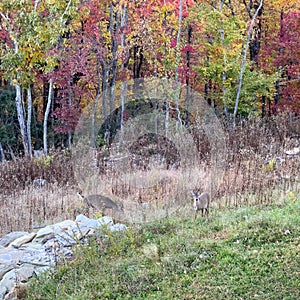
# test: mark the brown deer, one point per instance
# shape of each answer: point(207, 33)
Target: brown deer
point(100, 202)
point(201, 202)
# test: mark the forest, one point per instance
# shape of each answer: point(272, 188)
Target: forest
point(59, 56)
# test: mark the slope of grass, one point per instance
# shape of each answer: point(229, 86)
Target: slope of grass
point(248, 253)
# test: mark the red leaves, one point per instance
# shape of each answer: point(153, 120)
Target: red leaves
point(173, 43)
point(282, 52)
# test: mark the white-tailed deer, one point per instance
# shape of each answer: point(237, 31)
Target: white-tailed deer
point(100, 202)
point(201, 202)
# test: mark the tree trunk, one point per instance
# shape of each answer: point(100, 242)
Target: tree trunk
point(21, 120)
point(187, 80)
point(224, 76)
point(263, 106)
point(114, 27)
point(124, 20)
point(2, 155)
point(256, 37)
point(104, 89)
point(177, 64)
point(244, 62)
point(47, 115)
point(69, 133)
point(98, 95)
point(29, 115)
point(277, 84)
point(167, 119)
point(11, 152)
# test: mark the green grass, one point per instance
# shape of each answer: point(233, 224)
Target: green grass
point(248, 253)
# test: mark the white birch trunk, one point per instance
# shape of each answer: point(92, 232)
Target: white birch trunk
point(29, 115)
point(114, 26)
point(46, 116)
point(2, 155)
point(167, 120)
point(11, 152)
point(124, 19)
point(21, 120)
point(224, 76)
point(244, 62)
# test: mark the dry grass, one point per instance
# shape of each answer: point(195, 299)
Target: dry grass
point(31, 208)
point(257, 171)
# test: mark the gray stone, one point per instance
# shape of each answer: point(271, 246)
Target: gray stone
point(105, 221)
point(5, 269)
point(9, 255)
point(32, 246)
point(3, 291)
point(38, 258)
point(293, 151)
point(9, 279)
point(29, 254)
point(24, 272)
point(40, 270)
point(117, 227)
point(80, 232)
point(43, 232)
point(39, 183)
point(58, 228)
point(64, 225)
point(10, 237)
point(22, 240)
point(87, 222)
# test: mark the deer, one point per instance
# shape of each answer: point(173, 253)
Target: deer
point(100, 202)
point(201, 202)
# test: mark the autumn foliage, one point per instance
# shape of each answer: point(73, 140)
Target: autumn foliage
point(90, 47)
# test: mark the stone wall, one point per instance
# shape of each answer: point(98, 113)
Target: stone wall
point(24, 255)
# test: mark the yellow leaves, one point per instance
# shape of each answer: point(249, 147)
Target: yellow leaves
point(285, 6)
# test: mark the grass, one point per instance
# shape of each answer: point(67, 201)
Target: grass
point(247, 253)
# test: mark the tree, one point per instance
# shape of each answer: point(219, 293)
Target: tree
point(240, 82)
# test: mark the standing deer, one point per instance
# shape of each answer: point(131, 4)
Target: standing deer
point(100, 202)
point(201, 202)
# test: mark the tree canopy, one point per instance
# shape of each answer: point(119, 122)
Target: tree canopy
point(68, 53)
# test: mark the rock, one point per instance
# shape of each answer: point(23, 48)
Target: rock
point(39, 183)
point(23, 254)
point(9, 256)
point(293, 151)
point(117, 227)
point(46, 231)
point(22, 240)
point(9, 280)
point(3, 291)
point(105, 221)
point(90, 223)
point(55, 229)
point(10, 237)
point(5, 269)
point(17, 275)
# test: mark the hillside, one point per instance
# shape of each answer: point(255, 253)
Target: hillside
point(240, 253)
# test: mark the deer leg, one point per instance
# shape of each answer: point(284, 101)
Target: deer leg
point(196, 212)
point(85, 210)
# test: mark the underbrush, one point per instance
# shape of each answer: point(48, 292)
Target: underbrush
point(255, 171)
point(245, 253)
